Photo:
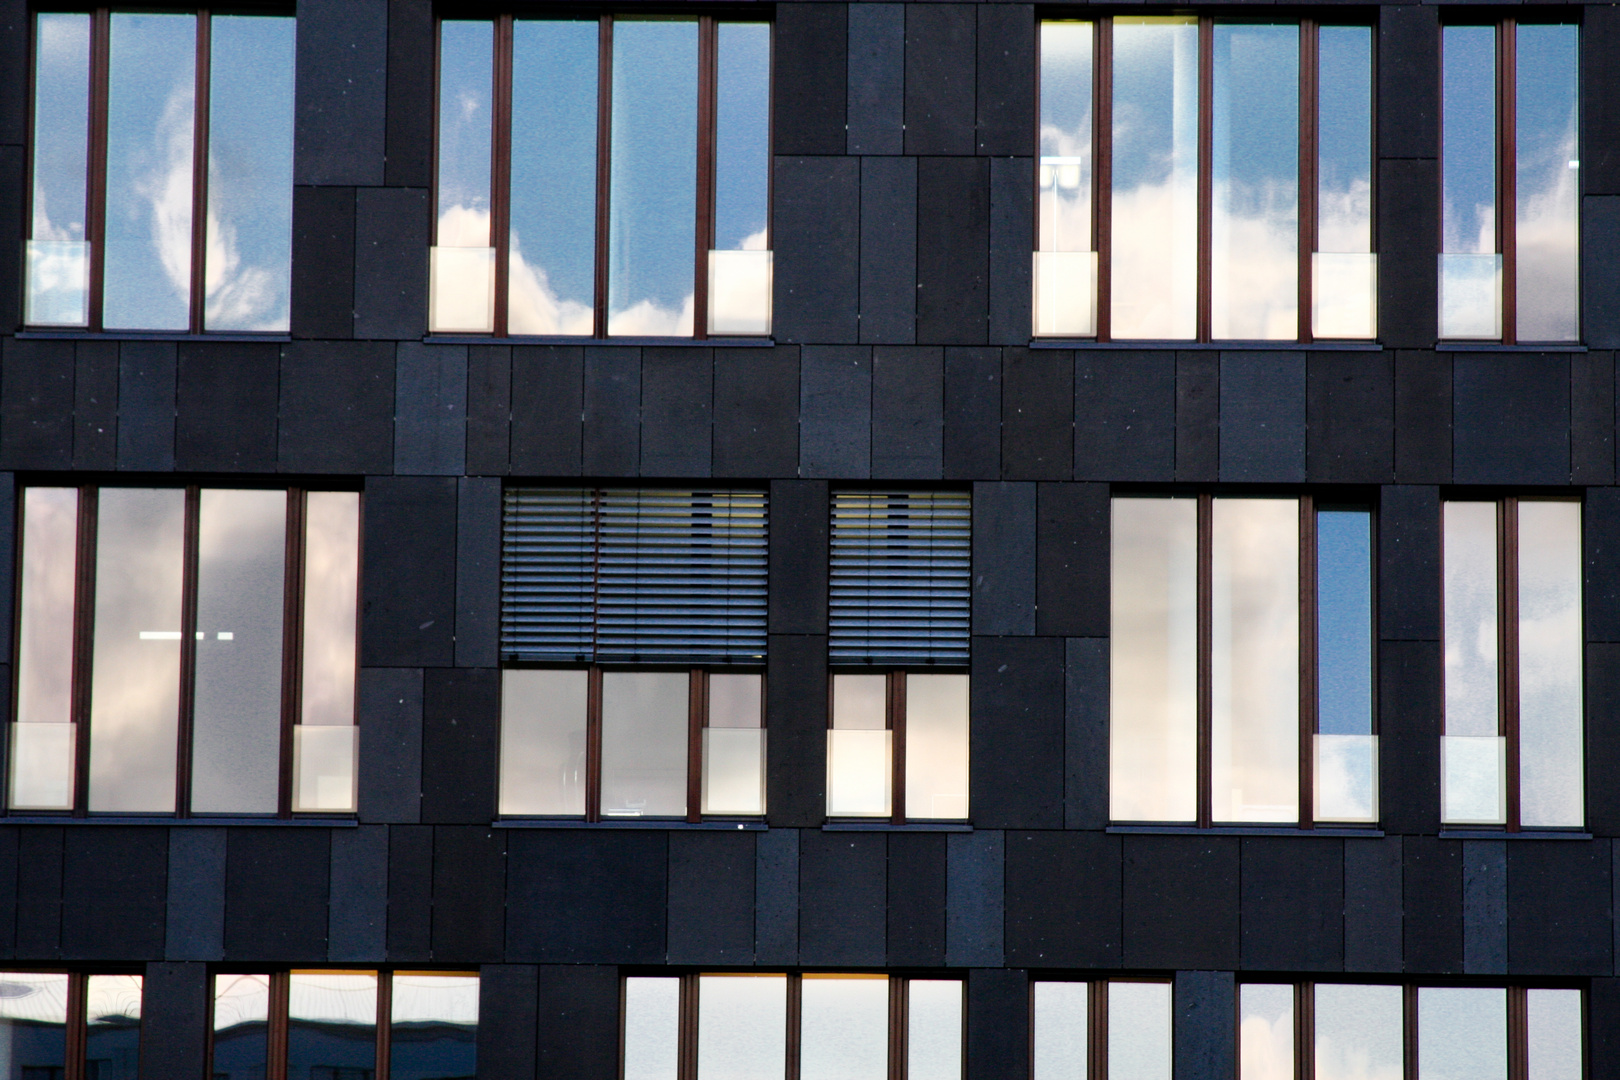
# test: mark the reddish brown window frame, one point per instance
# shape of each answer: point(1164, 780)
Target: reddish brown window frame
point(894, 700)
point(1096, 1018)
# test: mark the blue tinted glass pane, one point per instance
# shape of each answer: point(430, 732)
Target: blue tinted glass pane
point(435, 1027)
point(1344, 621)
point(1548, 183)
point(742, 135)
point(61, 126)
point(466, 75)
point(1468, 149)
point(1344, 139)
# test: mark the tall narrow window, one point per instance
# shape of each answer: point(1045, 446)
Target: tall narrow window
point(186, 649)
point(1100, 1030)
point(1241, 635)
point(1511, 753)
point(633, 630)
point(59, 1024)
point(1510, 161)
point(1205, 179)
point(162, 172)
point(603, 177)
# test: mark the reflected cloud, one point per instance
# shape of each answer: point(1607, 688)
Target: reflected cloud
point(1255, 265)
point(1268, 1048)
point(533, 307)
point(165, 187)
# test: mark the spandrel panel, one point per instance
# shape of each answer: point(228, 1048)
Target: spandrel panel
point(1344, 139)
point(1061, 1029)
point(1153, 705)
point(241, 1024)
point(644, 743)
point(653, 178)
point(742, 1027)
point(248, 266)
point(434, 1030)
point(1064, 178)
point(1254, 220)
point(844, 1027)
point(236, 707)
point(58, 260)
point(1468, 140)
point(112, 1038)
point(1547, 186)
point(553, 221)
point(151, 100)
point(1553, 1034)
point(331, 1024)
point(937, 746)
point(652, 1024)
point(1266, 1032)
point(466, 116)
point(1550, 671)
point(934, 1029)
point(1470, 605)
point(543, 741)
point(33, 1024)
point(742, 133)
point(331, 605)
point(1462, 1033)
point(135, 685)
point(1138, 1031)
point(1359, 1032)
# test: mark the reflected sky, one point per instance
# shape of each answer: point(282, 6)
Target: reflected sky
point(1548, 181)
point(1470, 618)
point(61, 125)
point(844, 1027)
point(1266, 1032)
point(1138, 1031)
point(742, 135)
point(1462, 1033)
point(45, 637)
point(1358, 1032)
point(331, 605)
point(1551, 787)
point(934, 1029)
point(1344, 622)
point(652, 1020)
point(1065, 169)
point(644, 735)
point(1468, 132)
point(466, 58)
point(1344, 139)
point(742, 1027)
point(1061, 1027)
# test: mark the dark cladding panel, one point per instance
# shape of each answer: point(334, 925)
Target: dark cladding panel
point(815, 227)
point(578, 1033)
point(1600, 247)
point(1004, 544)
point(469, 893)
point(1085, 750)
point(940, 66)
point(1125, 415)
point(1409, 563)
point(1064, 895)
point(756, 412)
point(508, 1018)
point(612, 413)
point(975, 898)
point(877, 44)
point(997, 1024)
point(1600, 102)
point(835, 412)
point(1205, 1016)
point(391, 731)
point(410, 893)
point(1037, 396)
point(337, 407)
point(548, 387)
point(1012, 222)
point(408, 572)
point(1017, 736)
point(461, 717)
point(1526, 442)
point(953, 245)
point(1198, 417)
point(9, 900)
point(1006, 79)
point(489, 410)
point(114, 884)
point(842, 892)
point(36, 404)
point(1293, 904)
point(1072, 530)
point(357, 913)
point(711, 897)
point(799, 514)
point(1591, 417)
point(908, 402)
point(1181, 902)
point(478, 571)
point(275, 895)
point(1351, 417)
point(1422, 417)
point(1372, 904)
point(1262, 437)
point(1408, 67)
point(430, 419)
point(916, 885)
point(888, 310)
point(392, 228)
point(339, 130)
point(174, 1020)
point(195, 912)
point(810, 54)
point(972, 438)
point(39, 893)
point(1485, 907)
point(1558, 913)
point(226, 401)
point(146, 401)
point(776, 897)
point(323, 262)
point(411, 94)
point(1602, 737)
point(677, 411)
point(1432, 888)
point(95, 406)
point(583, 897)
point(1409, 722)
point(1408, 216)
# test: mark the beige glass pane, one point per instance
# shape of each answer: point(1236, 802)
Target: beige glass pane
point(1553, 1034)
point(1153, 705)
point(844, 1027)
point(860, 702)
point(42, 757)
point(1061, 1025)
point(860, 770)
point(1266, 1032)
point(135, 688)
point(1550, 701)
point(461, 290)
point(644, 736)
point(1462, 1033)
point(1344, 300)
point(331, 605)
point(1358, 1032)
point(433, 1026)
point(1547, 189)
point(543, 742)
point(733, 770)
point(241, 1024)
point(1139, 1031)
point(652, 1024)
point(934, 1029)
point(735, 701)
point(1254, 670)
point(1470, 618)
point(742, 1027)
point(42, 760)
point(324, 768)
point(1065, 293)
point(331, 1023)
point(937, 746)
point(112, 1035)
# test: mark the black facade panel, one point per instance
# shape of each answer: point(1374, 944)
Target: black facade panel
point(711, 897)
point(1558, 908)
point(888, 259)
point(1125, 416)
point(1408, 216)
point(226, 403)
point(337, 407)
point(1591, 418)
point(340, 121)
point(430, 409)
point(1409, 563)
point(12, 185)
point(1431, 881)
point(1422, 418)
point(1525, 444)
point(1600, 248)
point(410, 893)
point(815, 215)
point(1181, 906)
point(843, 889)
point(1205, 1015)
point(489, 409)
point(1484, 907)
point(972, 438)
point(1017, 737)
point(585, 897)
point(14, 31)
point(1006, 77)
point(908, 412)
point(1064, 900)
point(799, 552)
point(323, 262)
point(1072, 560)
point(916, 886)
point(114, 884)
point(390, 701)
point(1004, 547)
point(776, 897)
point(1085, 715)
point(975, 898)
point(95, 405)
point(877, 79)
point(392, 229)
point(940, 66)
point(1372, 904)
point(677, 411)
point(953, 237)
point(408, 131)
point(1603, 1027)
point(195, 909)
point(469, 893)
point(9, 898)
point(835, 412)
point(756, 413)
point(174, 1020)
point(1012, 222)
point(548, 388)
point(1198, 417)
point(36, 417)
point(357, 910)
point(408, 572)
point(146, 402)
point(1293, 904)
point(461, 723)
point(1037, 421)
point(998, 1029)
point(1602, 737)
point(39, 893)
point(810, 58)
point(578, 1033)
point(275, 892)
point(478, 571)
point(1262, 437)
point(1351, 417)
point(1408, 68)
point(612, 414)
point(1409, 724)
point(508, 1020)
point(1600, 102)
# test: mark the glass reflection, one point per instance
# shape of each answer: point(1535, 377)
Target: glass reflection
point(433, 1032)
point(742, 1026)
point(1265, 1032)
point(934, 1029)
point(1470, 291)
point(1547, 182)
point(937, 746)
point(1061, 1026)
point(652, 1024)
point(1346, 779)
point(1153, 711)
point(1550, 766)
point(1254, 225)
point(42, 738)
point(1358, 1032)
point(1344, 139)
point(844, 1027)
point(644, 736)
point(1065, 260)
point(462, 263)
point(653, 177)
point(151, 97)
point(859, 748)
point(241, 594)
point(1138, 1031)
point(553, 214)
point(331, 605)
point(1154, 261)
point(33, 1025)
point(248, 261)
point(58, 257)
point(112, 1042)
point(740, 266)
point(1472, 781)
point(1553, 1034)
point(331, 1023)
point(1462, 1033)
point(734, 746)
point(543, 741)
point(241, 1024)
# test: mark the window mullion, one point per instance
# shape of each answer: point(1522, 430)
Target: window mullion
point(899, 1010)
point(604, 159)
point(897, 735)
point(1305, 1031)
point(697, 720)
point(1102, 168)
point(704, 232)
point(84, 636)
point(276, 1027)
point(188, 652)
point(1508, 635)
point(385, 1015)
point(96, 188)
point(1307, 660)
point(500, 173)
point(74, 1066)
point(1205, 656)
point(292, 653)
point(593, 745)
point(1518, 1033)
point(1206, 133)
point(199, 174)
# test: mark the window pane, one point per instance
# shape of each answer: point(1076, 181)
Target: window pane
point(934, 1035)
point(1547, 188)
point(1462, 1033)
point(241, 1021)
point(553, 226)
point(1550, 767)
point(734, 746)
point(1553, 1032)
point(644, 739)
point(742, 1027)
point(859, 749)
point(1138, 1031)
point(42, 741)
point(434, 1029)
point(135, 685)
point(1468, 149)
point(1254, 677)
point(652, 1023)
point(1254, 225)
point(1065, 169)
point(1061, 1026)
point(466, 56)
point(33, 1024)
point(1153, 709)
point(331, 605)
point(1358, 1032)
point(1470, 618)
point(1155, 157)
point(1344, 139)
point(58, 258)
point(151, 94)
point(241, 594)
point(937, 746)
point(250, 137)
point(543, 742)
point(1344, 627)
point(653, 177)
point(112, 1044)
point(332, 1024)
point(742, 135)
point(1266, 1032)
point(844, 1027)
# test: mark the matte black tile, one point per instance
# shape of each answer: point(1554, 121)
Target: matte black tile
point(408, 132)
point(275, 887)
point(1602, 737)
point(1081, 931)
point(1085, 711)
point(36, 404)
point(842, 896)
point(1006, 79)
point(1181, 902)
point(799, 551)
point(1351, 417)
point(776, 897)
point(174, 1019)
point(1409, 724)
point(1600, 247)
point(547, 393)
point(1037, 436)
point(392, 228)
point(1432, 887)
point(461, 720)
point(677, 411)
point(796, 716)
point(14, 33)
point(908, 412)
point(1600, 105)
point(1372, 904)
point(469, 893)
point(195, 909)
point(430, 412)
point(357, 912)
point(916, 887)
point(39, 892)
point(756, 412)
point(9, 875)
point(323, 262)
point(998, 1031)
point(1072, 556)
point(146, 405)
point(1204, 1017)
point(877, 77)
point(1004, 545)
point(390, 702)
point(579, 1023)
point(340, 120)
point(410, 892)
point(1601, 520)
point(337, 407)
point(612, 414)
point(1012, 223)
point(953, 243)
point(1293, 904)
point(940, 78)
point(509, 1019)
point(586, 897)
point(1423, 418)
point(1125, 415)
point(975, 898)
point(1409, 563)
point(1591, 419)
point(1603, 1024)
point(815, 227)
point(1558, 916)
point(478, 571)
point(888, 312)
point(13, 184)
point(1408, 69)
point(408, 572)
point(95, 405)
point(972, 437)
point(1485, 903)
point(1017, 735)
point(835, 412)
point(1408, 214)
point(114, 886)
point(711, 897)
point(226, 403)
point(490, 408)
point(810, 48)
point(1262, 436)
point(1198, 417)
point(1525, 444)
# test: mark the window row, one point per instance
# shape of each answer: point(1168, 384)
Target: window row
point(55, 1025)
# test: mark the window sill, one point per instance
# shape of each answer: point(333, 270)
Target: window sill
point(885, 826)
point(1247, 830)
point(1503, 834)
point(172, 822)
point(1087, 345)
point(146, 335)
point(630, 823)
point(696, 343)
point(1492, 346)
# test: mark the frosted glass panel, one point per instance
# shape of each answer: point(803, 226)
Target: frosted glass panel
point(1065, 165)
point(543, 741)
point(1065, 293)
point(644, 738)
point(42, 761)
point(331, 605)
point(1266, 1032)
point(740, 292)
point(1358, 1032)
point(934, 1029)
point(1553, 1034)
point(1138, 1031)
point(461, 288)
point(733, 770)
point(652, 1022)
point(742, 1027)
point(1471, 296)
point(1346, 779)
point(1550, 701)
point(1344, 298)
point(1462, 1033)
point(1473, 779)
point(860, 702)
point(1547, 189)
point(859, 773)
point(1060, 1030)
point(936, 746)
point(324, 772)
point(1470, 618)
point(844, 1027)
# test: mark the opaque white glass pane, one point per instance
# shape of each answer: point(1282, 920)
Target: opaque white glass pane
point(1473, 779)
point(1155, 180)
point(1547, 188)
point(324, 774)
point(1153, 702)
point(1346, 778)
point(331, 605)
point(644, 722)
point(742, 135)
point(466, 117)
point(461, 290)
point(1254, 678)
point(135, 687)
point(250, 160)
point(42, 760)
point(1471, 296)
point(1061, 1027)
point(733, 770)
point(1550, 704)
point(1462, 1033)
point(936, 746)
point(58, 257)
point(1065, 293)
point(151, 97)
point(652, 1022)
point(241, 594)
point(58, 289)
point(1344, 142)
point(859, 773)
point(50, 536)
point(740, 285)
point(1468, 139)
point(1266, 1032)
point(1553, 1034)
point(742, 1026)
point(1358, 1032)
point(1254, 222)
point(1470, 618)
point(112, 1036)
point(1344, 300)
point(844, 1028)
point(1138, 1031)
point(934, 1029)
point(543, 741)
point(1065, 165)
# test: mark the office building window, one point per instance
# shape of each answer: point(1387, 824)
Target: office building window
point(1511, 753)
point(186, 650)
point(839, 1027)
point(1510, 168)
point(1098, 1030)
point(897, 726)
point(633, 634)
point(603, 177)
point(1241, 633)
point(1205, 179)
point(161, 161)
point(57, 1024)
point(369, 1025)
